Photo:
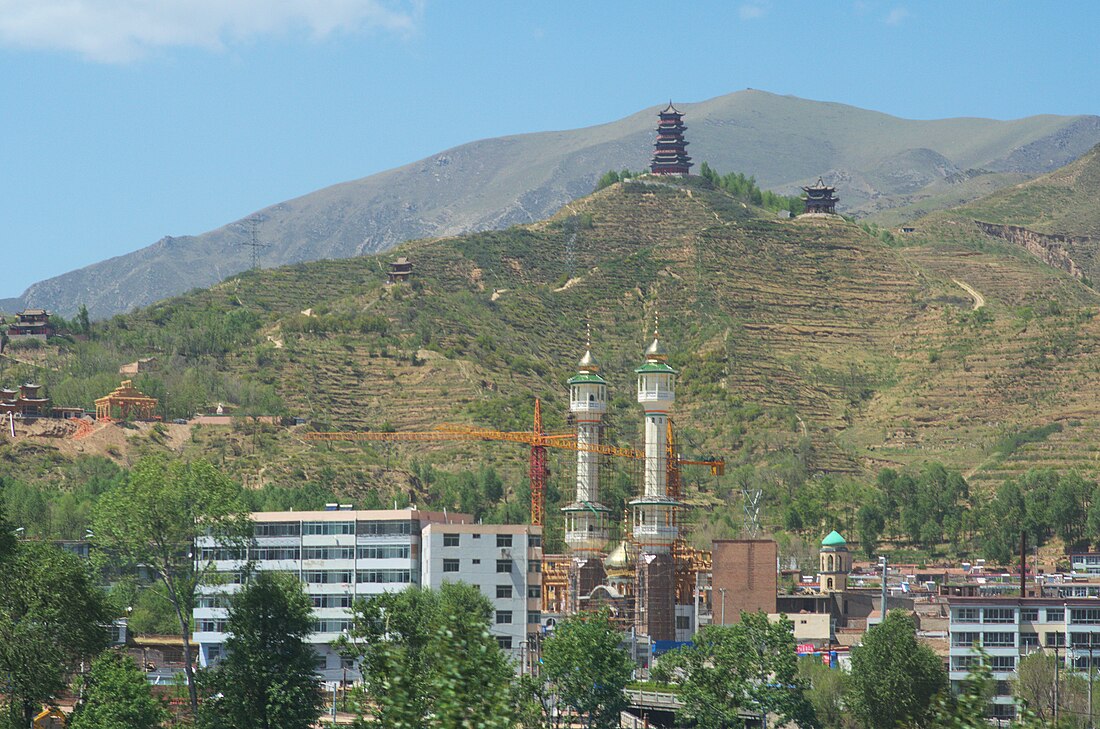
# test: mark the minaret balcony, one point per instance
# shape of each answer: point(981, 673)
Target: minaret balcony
point(595, 407)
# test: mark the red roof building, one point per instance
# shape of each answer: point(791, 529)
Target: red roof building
point(669, 151)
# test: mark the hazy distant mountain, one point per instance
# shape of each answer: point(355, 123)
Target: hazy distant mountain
point(877, 161)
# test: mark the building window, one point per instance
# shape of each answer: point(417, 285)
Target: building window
point(385, 528)
point(999, 640)
point(399, 551)
point(534, 617)
point(450, 565)
point(1056, 615)
point(328, 528)
point(277, 529)
point(966, 615)
point(1029, 640)
point(383, 576)
point(534, 540)
point(323, 553)
point(1085, 616)
point(505, 642)
point(504, 617)
point(534, 592)
point(330, 601)
point(504, 591)
point(325, 577)
point(534, 565)
point(450, 540)
point(999, 615)
point(961, 663)
point(1055, 640)
point(683, 622)
point(1002, 663)
point(504, 566)
point(1029, 615)
point(1084, 640)
point(504, 540)
point(476, 536)
point(963, 640)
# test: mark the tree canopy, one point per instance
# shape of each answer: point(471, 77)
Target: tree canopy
point(730, 671)
point(117, 696)
point(429, 661)
point(52, 616)
point(153, 520)
point(267, 679)
point(586, 668)
point(895, 678)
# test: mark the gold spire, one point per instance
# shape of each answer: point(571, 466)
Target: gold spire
point(588, 362)
point(656, 351)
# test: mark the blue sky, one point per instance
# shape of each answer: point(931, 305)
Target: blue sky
point(126, 120)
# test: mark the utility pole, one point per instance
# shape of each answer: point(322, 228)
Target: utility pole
point(885, 597)
point(1057, 660)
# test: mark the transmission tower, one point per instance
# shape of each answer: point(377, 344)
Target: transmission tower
point(253, 242)
point(750, 498)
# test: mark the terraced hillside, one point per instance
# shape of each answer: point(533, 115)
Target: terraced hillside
point(811, 342)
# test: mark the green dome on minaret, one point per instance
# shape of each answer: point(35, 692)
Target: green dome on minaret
point(834, 540)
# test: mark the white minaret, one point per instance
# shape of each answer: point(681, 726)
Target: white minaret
point(654, 526)
point(586, 519)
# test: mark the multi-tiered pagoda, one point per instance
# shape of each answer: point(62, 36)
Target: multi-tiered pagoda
point(669, 152)
point(820, 198)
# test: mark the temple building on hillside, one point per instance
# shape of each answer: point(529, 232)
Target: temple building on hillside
point(26, 402)
point(400, 270)
point(820, 198)
point(125, 402)
point(31, 323)
point(669, 152)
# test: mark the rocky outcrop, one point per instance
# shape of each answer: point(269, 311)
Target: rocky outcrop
point(1050, 249)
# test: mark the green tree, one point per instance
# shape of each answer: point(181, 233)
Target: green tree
point(586, 667)
point(154, 519)
point(871, 525)
point(267, 679)
point(117, 696)
point(972, 707)
point(731, 670)
point(429, 661)
point(895, 678)
point(52, 616)
point(1033, 688)
point(825, 689)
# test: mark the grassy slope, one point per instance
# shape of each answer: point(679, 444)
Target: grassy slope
point(802, 339)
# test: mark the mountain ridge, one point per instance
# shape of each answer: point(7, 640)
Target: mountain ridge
point(880, 162)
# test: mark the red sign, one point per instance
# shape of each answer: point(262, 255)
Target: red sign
point(805, 648)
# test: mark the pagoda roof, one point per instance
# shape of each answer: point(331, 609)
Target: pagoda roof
point(670, 109)
point(834, 540)
point(586, 377)
point(654, 367)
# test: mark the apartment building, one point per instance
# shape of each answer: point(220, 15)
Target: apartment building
point(1008, 628)
point(504, 561)
point(340, 554)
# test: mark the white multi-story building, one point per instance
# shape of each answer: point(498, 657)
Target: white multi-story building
point(340, 555)
point(504, 562)
point(1008, 628)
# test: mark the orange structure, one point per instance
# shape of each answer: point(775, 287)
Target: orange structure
point(129, 401)
point(538, 440)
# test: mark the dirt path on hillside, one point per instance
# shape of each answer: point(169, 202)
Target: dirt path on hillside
point(979, 300)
